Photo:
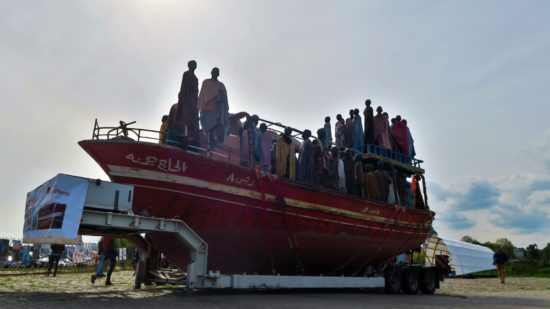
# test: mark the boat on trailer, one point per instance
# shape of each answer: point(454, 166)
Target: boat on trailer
point(256, 222)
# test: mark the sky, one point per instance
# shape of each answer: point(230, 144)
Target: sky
point(471, 77)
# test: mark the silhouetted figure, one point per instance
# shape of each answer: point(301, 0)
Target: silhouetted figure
point(358, 139)
point(333, 176)
point(359, 176)
point(187, 101)
point(371, 184)
point(214, 108)
point(412, 152)
point(399, 133)
point(348, 130)
point(383, 180)
point(368, 113)
point(320, 156)
point(163, 129)
point(266, 144)
point(328, 132)
point(339, 131)
point(381, 129)
point(349, 165)
point(306, 160)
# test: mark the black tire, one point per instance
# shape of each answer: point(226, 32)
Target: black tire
point(392, 281)
point(410, 281)
point(428, 281)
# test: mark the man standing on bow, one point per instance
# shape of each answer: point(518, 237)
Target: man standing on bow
point(187, 101)
point(214, 108)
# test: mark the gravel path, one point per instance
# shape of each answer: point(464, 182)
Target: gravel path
point(76, 291)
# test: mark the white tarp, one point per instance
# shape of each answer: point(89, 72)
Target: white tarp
point(464, 258)
point(54, 209)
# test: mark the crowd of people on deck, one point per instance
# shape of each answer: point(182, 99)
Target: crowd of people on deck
point(334, 164)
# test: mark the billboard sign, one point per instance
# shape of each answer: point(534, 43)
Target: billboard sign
point(54, 209)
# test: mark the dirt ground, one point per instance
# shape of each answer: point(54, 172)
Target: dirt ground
point(70, 290)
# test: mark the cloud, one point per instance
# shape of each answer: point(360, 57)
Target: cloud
point(540, 197)
point(457, 221)
point(437, 191)
point(479, 195)
point(522, 219)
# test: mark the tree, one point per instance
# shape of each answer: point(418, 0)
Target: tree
point(506, 246)
point(545, 253)
point(532, 252)
point(470, 240)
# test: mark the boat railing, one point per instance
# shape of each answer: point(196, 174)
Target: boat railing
point(123, 131)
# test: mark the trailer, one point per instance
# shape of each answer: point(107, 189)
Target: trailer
point(105, 209)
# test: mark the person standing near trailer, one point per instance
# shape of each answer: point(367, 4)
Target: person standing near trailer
point(110, 253)
point(55, 256)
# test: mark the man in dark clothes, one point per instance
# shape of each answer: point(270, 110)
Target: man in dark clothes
point(348, 130)
point(55, 256)
point(306, 163)
point(384, 180)
point(369, 123)
point(333, 176)
point(320, 153)
point(359, 176)
point(500, 259)
point(187, 101)
point(110, 254)
point(348, 168)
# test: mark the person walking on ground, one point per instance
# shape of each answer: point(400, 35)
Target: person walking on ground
point(500, 259)
point(55, 256)
point(110, 253)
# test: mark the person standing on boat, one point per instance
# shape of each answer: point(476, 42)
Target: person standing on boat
point(369, 123)
point(412, 152)
point(306, 163)
point(285, 155)
point(399, 133)
point(333, 176)
point(371, 184)
point(348, 130)
point(349, 171)
point(339, 129)
point(266, 143)
point(328, 132)
point(381, 129)
point(359, 176)
point(383, 180)
point(214, 108)
point(358, 139)
point(187, 101)
point(163, 129)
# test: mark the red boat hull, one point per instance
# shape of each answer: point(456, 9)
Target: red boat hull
point(255, 222)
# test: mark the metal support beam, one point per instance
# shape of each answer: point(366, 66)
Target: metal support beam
point(131, 224)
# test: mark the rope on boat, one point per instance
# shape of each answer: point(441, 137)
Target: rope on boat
point(266, 222)
point(360, 252)
point(292, 241)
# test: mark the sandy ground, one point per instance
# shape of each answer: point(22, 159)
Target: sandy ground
point(75, 291)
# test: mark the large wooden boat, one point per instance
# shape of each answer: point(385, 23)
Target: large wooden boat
point(255, 222)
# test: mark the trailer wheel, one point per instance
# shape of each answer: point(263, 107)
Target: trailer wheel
point(392, 281)
point(410, 281)
point(427, 281)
